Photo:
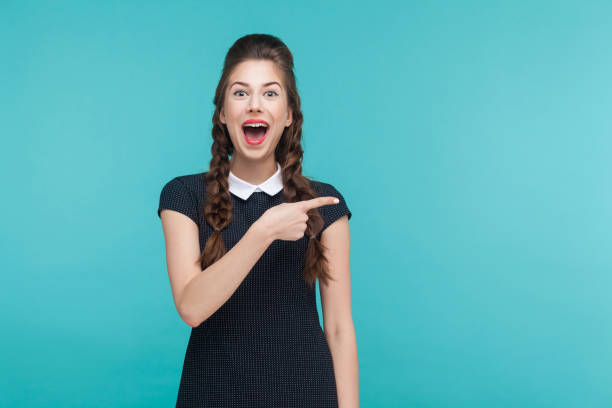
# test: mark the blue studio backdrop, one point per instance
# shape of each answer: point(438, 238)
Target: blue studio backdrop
point(471, 141)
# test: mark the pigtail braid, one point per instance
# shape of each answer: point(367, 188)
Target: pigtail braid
point(288, 152)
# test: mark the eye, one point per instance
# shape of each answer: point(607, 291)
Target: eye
point(243, 91)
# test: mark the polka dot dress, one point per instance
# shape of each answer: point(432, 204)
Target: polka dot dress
point(264, 347)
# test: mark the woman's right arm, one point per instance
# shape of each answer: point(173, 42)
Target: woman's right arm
point(199, 293)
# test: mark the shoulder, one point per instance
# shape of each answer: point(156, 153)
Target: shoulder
point(325, 189)
point(193, 184)
point(333, 212)
point(184, 194)
point(322, 188)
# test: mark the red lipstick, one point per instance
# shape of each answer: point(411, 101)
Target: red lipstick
point(254, 135)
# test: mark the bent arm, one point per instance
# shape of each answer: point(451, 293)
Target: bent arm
point(209, 290)
point(200, 293)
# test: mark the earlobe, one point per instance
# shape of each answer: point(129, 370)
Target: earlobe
point(221, 116)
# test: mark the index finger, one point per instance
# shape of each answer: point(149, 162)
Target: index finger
point(319, 201)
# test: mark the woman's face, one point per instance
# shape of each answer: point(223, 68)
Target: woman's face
point(255, 91)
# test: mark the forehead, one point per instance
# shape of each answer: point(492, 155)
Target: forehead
point(256, 72)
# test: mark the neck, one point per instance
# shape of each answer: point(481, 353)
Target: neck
point(254, 172)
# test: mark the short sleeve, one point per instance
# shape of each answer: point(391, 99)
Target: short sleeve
point(175, 196)
point(332, 212)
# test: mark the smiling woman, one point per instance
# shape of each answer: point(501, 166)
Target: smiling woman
point(254, 100)
point(246, 242)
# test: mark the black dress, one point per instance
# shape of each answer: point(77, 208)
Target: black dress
point(264, 347)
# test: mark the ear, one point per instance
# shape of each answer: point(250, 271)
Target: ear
point(222, 116)
point(289, 120)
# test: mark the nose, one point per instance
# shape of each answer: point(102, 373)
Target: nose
point(254, 104)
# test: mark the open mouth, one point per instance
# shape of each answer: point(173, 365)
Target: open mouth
point(255, 134)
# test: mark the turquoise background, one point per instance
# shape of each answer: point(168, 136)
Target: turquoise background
point(471, 141)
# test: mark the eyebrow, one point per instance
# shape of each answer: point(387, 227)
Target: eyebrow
point(266, 84)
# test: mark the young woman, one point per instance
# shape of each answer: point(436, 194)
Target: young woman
point(246, 242)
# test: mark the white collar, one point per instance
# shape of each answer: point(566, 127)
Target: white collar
point(244, 189)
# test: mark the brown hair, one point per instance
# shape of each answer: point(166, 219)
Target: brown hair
point(218, 205)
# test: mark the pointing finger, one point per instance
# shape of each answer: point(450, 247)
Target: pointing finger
point(319, 201)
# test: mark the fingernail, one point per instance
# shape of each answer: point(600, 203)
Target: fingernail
point(336, 200)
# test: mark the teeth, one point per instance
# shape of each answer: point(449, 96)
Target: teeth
point(256, 124)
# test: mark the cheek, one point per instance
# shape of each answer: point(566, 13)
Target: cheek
point(233, 109)
point(230, 114)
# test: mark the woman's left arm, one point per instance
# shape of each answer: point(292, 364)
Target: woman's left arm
point(337, 313)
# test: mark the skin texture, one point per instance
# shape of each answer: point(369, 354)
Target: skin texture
point(198, 294)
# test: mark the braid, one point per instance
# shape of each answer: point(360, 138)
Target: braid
point(297, 188)
point(218, 205)
point(288, 152)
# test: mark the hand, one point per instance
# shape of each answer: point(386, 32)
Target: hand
point(287, 221)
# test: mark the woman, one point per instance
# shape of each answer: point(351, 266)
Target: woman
point(245, 243)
